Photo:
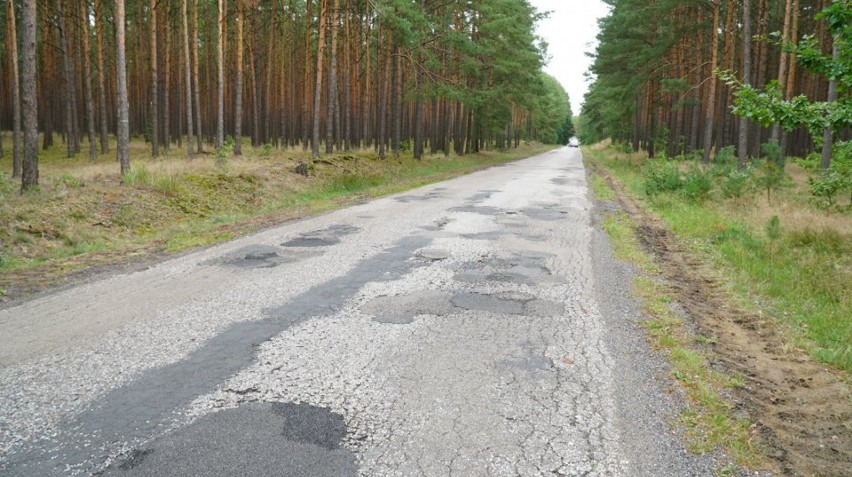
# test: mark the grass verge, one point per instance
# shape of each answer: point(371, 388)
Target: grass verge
point(800, 273)
point(709, 421)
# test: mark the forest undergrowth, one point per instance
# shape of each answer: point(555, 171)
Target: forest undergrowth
point(784, 255)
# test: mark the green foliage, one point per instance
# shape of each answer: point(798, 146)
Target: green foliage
point(68, 181)
point(661, 176)
point(726, 156)
point(697, 184)
point(826, 187)
point(266, 150)
point(224, 152)
point(737, 183)
point(771, 174)
point(769, 106)
point(566, 132)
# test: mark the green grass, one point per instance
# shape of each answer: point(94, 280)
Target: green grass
point(804, 278)
point(708, 420)
point(600, 189)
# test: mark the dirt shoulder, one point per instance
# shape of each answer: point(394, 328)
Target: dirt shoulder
point(800, 410)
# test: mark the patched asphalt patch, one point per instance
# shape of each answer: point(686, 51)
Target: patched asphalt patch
point(547, 213)
point(311, 424)
point(438, 225)
point(262, 256)
point(323, 237)
point(483, 235)
point(401, 309)
point(433, 254)
point(477, 209)
point(254, 439)
point(482, 195)
point(419, 198)
point(489, 303)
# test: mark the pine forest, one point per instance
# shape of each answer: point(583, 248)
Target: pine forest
point(321, 75)
point(677, 78)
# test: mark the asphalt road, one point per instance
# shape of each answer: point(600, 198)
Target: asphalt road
point(477, 326)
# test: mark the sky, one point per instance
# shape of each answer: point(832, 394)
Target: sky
point(570, 32)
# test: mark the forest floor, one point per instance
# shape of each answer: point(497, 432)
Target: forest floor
point(83, 222)
point(738, 329)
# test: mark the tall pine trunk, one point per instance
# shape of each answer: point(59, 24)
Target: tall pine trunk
point(69, 90)
point(332, 83)
point(155, 151)
point(238, 99)
point(29, 170)
point(220, 77)
point(123, 107)
point(196, 89)
point(828, 134)
point(782, 65)
point(102, 107)
point(12, 41)
point(315, 142)
point(188, 75)
point(742, 146)
point(711, 96)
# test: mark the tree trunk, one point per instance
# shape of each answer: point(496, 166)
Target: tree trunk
point(68, 69)
point(828, 134)
point(154, 101)
point(238, 100)
point(782, 65)
point(396, 143)
point(102, 107)
point(742, 146)
point(332, 82)
point(123, 107)
point(196, 89)
point(315, 143)
point(12, 41)
point(347, 81)
point(29, 171)
point(167, 85)
point(306, 97)
point(87, 78)
point(220, 78)
point(188, 74)
point(711, 96)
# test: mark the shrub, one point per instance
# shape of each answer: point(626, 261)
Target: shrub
point(736, 183)
point(68, 181)
point(697, 185)
point(826, 186)
point(661, 176)
point(224, 152)
point(772, 175)
point(266, 150)
point(726, 156)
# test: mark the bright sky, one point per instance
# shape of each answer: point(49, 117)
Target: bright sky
point(570, 32)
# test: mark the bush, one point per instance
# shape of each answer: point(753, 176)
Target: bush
point(661, 176)
point(825, 187)
point(266, 150)
point(772, 175)
point(737, 183)
point(726, 156)
point(697, 185)
point(224, 152)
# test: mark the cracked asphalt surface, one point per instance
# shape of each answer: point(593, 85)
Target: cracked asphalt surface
point(474, 327)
